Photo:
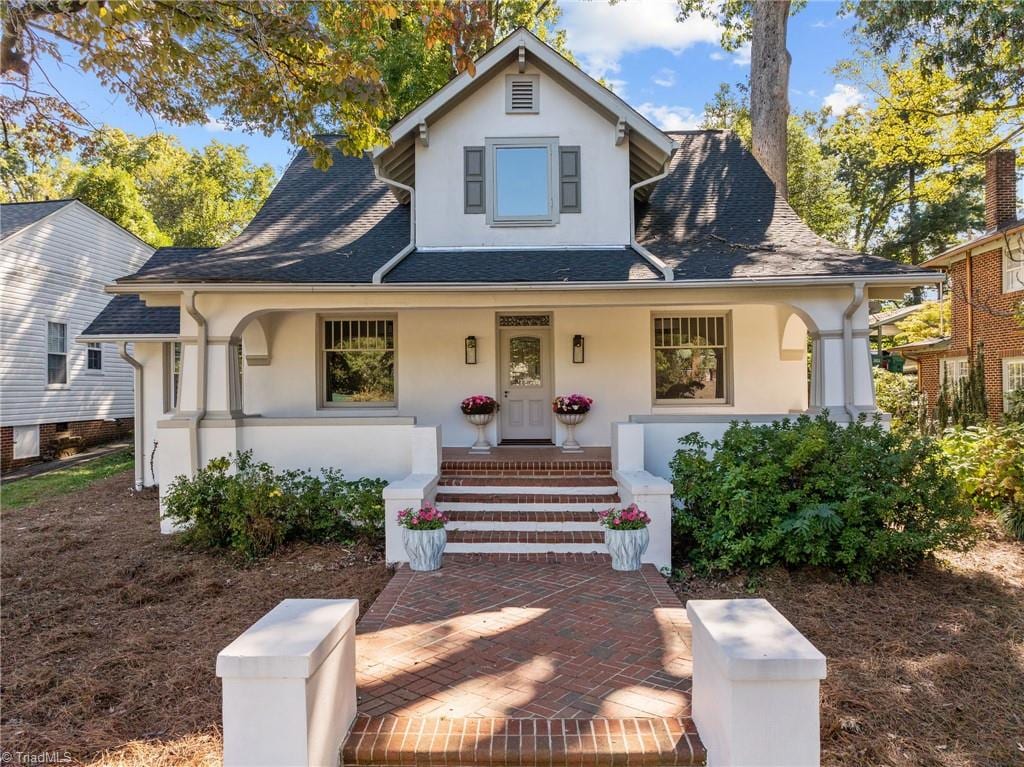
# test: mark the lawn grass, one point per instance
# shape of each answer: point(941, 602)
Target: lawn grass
point(24, 492)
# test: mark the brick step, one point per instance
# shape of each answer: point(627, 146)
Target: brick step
point(390, 741)
point(513, 468)
point(525, 536)
point(524, 502)
point(470, 483)
point(537, 521)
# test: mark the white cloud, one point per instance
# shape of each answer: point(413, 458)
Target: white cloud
point(717, 55)
point(215, 125)
point(600, 33)
point(665, 77)
point(821, 24)
point(843, 97)
point(618, 87)
point(741, 56)
point(670, 117)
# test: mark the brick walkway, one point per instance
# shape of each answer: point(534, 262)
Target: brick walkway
point(525, 660)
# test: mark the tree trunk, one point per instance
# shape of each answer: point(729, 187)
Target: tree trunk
point(769, 88)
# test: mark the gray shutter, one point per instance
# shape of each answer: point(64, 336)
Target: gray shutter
point(569, 179)
point(474, 179)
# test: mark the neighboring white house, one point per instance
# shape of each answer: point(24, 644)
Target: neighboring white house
point(526, 233)
point(56, 257)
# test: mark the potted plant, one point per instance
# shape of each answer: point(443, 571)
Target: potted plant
point(423, 536)
point(570, 409)
point(479, 411)
point(625, 535)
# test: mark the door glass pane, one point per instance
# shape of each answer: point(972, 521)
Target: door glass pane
point(524, 361)
point(521, 181)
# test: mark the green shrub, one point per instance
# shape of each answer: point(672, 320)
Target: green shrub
point(897, 395)
point(857, 499)
point(254, 509)
point(989, 465)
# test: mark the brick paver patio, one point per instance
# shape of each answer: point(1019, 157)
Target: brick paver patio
point(526, 660)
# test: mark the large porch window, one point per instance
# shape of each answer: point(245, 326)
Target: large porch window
point(690, 359)
point(358, 361)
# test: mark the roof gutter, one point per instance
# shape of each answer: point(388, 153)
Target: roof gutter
point(140, 471)
point(667, 273)
point(395, 260)
point(859, 295)
point(135, 288)
point(189, 302)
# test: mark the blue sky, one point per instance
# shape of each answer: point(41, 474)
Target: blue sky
point(665, 69)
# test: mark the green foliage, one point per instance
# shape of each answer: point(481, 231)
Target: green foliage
point(857, 499)
point(251, 509)
point(152, 186)
point(965, 402)
point(897, 395)
point(988, 462)
point(930, 321)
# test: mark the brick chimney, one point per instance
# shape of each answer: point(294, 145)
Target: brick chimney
point(1000, 188)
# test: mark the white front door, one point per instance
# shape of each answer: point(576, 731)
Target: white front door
point(526, 388)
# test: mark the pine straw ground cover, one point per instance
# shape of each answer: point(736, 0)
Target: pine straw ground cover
point(110, 630)
point(924, 669)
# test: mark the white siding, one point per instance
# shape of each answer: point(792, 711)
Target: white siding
point(55, 271)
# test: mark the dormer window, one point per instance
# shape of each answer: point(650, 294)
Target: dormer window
point(523, 175)
point(522, 94)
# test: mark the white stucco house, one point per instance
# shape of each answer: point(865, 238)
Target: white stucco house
point(525, 233)
point(56, 257)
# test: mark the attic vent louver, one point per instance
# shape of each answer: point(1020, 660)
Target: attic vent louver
point(521, 94)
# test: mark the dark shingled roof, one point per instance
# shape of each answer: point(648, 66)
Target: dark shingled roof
point(128, 315)
point(15, 216)
point(717, 216)
point(338, 225)
point(594, 265)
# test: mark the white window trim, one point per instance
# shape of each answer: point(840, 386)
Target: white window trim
point(171, 396)
point(491, 179)
point(1013, 267)
point(67, 363)
point(944, 370)
point(1007, 361)
point(97, 347)
point(727, 357)
point(321, 353)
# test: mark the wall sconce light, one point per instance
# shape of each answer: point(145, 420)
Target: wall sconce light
point(470, 350)
point(577, 348)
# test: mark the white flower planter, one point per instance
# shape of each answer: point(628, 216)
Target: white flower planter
point(626, 547)
point(480, 421)
point(570, 421)
point(424, 548)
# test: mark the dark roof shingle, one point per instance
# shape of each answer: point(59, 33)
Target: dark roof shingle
point(491, 266)
point(129, 316)
point(717, 216)
point(15, 216)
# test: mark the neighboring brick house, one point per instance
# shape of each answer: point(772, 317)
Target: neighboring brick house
point(55, 258)
point(986, 285)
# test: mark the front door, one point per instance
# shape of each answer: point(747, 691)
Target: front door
point(526, 389)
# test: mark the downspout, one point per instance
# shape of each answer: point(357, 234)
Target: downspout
point(666, 271)
point(848, 359)
point(200, 411)
point(140, 466)
point(395, 260)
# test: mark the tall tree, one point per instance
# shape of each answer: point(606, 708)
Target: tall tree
point(769, 88)
point(763, 24)
point(152, 186)
point(263, 65)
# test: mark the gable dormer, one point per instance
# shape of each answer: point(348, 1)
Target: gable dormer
point(528, 152)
